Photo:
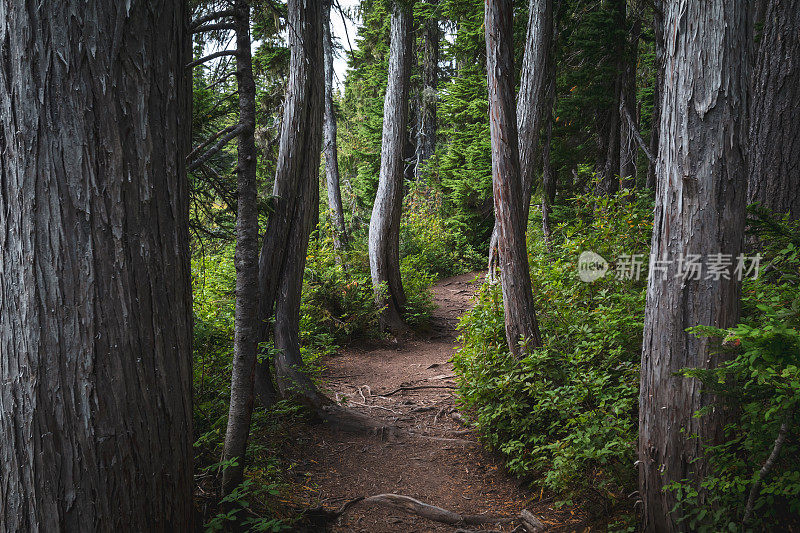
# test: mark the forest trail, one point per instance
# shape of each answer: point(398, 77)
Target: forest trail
point(434, 458)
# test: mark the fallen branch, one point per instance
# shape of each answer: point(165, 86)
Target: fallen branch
point(418, 387)
point(424, 510)
point(530, 522)
point(768, 464)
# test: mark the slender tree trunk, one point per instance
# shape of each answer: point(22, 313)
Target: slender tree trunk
point(610, 125)
point(298, 162)
point(658, 32)
point(331, 152)
point(426, 137)
point(384, 226)
point(522, 329)
point(531, 105)
point(775, 114)
point(246, 323)
point(95, 297)
point(700, 206)
point(548, 177)
point(628, 147)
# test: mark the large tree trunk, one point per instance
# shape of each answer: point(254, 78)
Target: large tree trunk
point(283, 250)
point(532, 105)
point(426, 136)
point(246, 324)
point(522, 329)
point(775, 113)
point(384, 226)
point(331, 152)
point(658, 33)
point(699, 210)
point(95, 301)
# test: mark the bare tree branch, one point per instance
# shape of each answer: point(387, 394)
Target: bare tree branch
point(211, 16)
point(214, 27)
point(209, 57)
point(635, 130)
point(214, 149)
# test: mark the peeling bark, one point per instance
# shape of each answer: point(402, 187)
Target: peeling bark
point(384, 225)
point(702, 175)
point(775, 113)
point(522, 329)
point(95, 301)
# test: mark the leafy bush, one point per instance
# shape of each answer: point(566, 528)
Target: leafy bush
point(566, 413)
point(760, 382)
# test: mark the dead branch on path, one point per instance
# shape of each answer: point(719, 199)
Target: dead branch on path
point(418, 387)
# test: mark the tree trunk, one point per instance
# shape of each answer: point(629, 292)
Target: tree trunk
point(548, 177)
point(628, 147)
point(331, 152)
point(775, 114)
point(531, 105)
point(610, 124)
point(426, 137)
point(384, 226)
point(699, 210)
point(658, 33)
point(522, 329)
point(95, 301)
point(246, 323)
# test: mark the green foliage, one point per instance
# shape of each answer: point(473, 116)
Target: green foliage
point(760, 384)
point(566, 413)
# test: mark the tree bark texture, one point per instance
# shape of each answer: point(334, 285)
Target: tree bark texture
point(283, 251)
point(384, 225)
point(246, 321)
point(332, 175)
point(699, 210)
point(522, 329)
point(775, 113)
point(658, 34)
point(426, 136)
point(95, 301)
point(531, 105)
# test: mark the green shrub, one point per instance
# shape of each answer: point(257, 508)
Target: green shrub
point(761, 383)
point(567, 413)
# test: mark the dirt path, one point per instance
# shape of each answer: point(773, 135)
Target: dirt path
point(441, 463)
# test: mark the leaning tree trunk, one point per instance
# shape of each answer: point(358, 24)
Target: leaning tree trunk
point(283, 250)
point(658, 34)
point(775, 114)
point(700, 206)
point(522, 329)
point(95, 297)
point(331, 152)
point(532, 105)
point(384, 226)
point(246, 324)
point(426, 136)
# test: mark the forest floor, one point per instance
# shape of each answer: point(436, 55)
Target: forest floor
point(433, 457)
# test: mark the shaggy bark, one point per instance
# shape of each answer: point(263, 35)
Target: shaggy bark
point(283, 251)
point(332, 175)
point(532, 106)
point(775, 113)
point(426, 136)
point(699, 210)
point(522, 330)
point(95, 301)
point(384, 226)
point(246, 323)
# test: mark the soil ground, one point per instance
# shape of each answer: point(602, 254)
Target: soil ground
point(435, 458)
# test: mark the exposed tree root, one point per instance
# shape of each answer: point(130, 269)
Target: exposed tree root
point(418, 387)
point(424, 510)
